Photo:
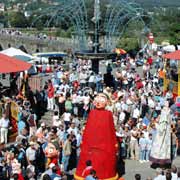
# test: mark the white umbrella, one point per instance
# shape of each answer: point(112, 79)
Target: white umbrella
point(13, 52)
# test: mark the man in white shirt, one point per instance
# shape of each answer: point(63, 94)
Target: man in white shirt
point(4, 125)
point(64, 87)
point(82, 79)
point(136, 114)
point(122, 116)
point(31, 153)
point(72, 129)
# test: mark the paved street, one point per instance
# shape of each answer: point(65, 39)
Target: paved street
point(133, 167)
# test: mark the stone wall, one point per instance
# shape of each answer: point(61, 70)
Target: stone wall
point(31, 43)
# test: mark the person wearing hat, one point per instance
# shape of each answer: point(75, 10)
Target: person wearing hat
point(99, 142)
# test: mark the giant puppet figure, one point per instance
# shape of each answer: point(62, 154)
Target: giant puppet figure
point(99, 144)
point(161, 147)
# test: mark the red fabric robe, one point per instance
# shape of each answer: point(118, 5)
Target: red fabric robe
point(99, 145)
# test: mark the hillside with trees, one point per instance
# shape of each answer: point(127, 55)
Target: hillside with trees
point(164, 23)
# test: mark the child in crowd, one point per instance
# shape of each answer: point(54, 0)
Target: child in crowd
point(142, 148)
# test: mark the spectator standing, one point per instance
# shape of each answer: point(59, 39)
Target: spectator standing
point(4, 125)
point(50, 96)
point(142, 148)
point(134, 144)
point(99, 82)
point(31, 154)
point(32, 123)
point(66, 152)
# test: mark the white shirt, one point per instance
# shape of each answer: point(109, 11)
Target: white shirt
point(92, 79)
point(123, 72)
point(31, 154)
point(73, 130)
point(60, 134)
point(160, 177)
point(86, 100)
point(79, 99)
point(122, 116)
point(82, 77)
point(158, 106)
point(136, 113)
point(4, 123)
point(151, 103)
point(56, 121)
point(174, 176)
point(118, 106)
point(146, 134)
point(124, 106)
point(64, 87)
point(67, 116)
point(73, 77)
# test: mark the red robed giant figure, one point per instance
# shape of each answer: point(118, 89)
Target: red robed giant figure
point(99, 142)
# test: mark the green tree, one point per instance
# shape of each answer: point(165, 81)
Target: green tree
point(174, 33)
point(128, 44)
point(17, 19)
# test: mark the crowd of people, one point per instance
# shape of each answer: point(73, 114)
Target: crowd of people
point(51, 152)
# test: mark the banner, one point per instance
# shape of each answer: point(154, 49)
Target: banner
point(14, 117)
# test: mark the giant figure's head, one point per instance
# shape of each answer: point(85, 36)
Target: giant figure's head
point(101, 100)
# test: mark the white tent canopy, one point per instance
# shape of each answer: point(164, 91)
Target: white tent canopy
point(171, 48)
point(13, 52)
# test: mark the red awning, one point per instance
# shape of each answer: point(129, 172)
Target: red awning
point(173, 55)
point(9, 64)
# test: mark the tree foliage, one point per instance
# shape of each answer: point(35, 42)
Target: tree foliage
point(17, 19)
point(164, 25)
